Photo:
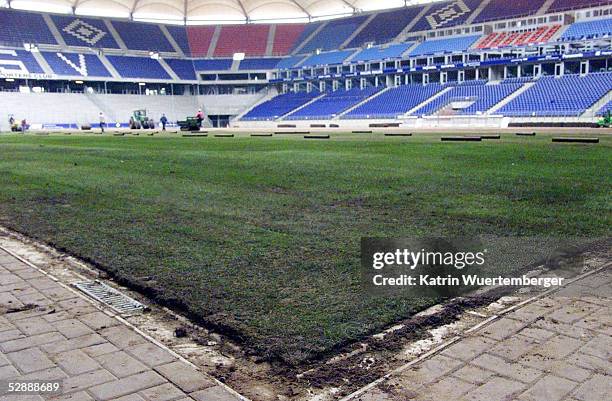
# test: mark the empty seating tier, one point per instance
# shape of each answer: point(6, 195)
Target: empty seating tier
point(333, 104)
point(386, 26)
point(18, 27)
point(19, 61)
point(446, 14)
point(179, 34)
point(564, 5)
point(138, 67)
point(327, 58)
point(501, 9)
point(259, 63)
point(141, 36)
point(588, 30)
point(285, 38)
point(382, 53)
point(248, 39)
point(84, 32)
point(504, 39)
point(184, 69)
point(334, 34)
point(451, 45)
point(606, 109)
point(279, 106)
point(570, 95)
point(200, 38)
point(75, 64)
point(213, 64)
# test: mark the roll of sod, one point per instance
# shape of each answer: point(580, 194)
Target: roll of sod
point(334, 126)
point(316, 137)
point(195, 135)
point(292, 133)
point(261, 135)
point(575, 140)
point(525, 134)
point(490, 136)
point(317, 125)
point(461, 139)
point(286, 126)
point(398, 134)
point(119, 134)
point(224, 135)
point(41, 133)
point(362, 132)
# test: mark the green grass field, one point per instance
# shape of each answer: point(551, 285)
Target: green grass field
point(260, 237)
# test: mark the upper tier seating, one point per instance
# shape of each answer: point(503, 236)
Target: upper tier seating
point(18, 27)
point(588, 29)
point(259, 63)
point(394, 102)
point(564, 5)
point(334, 34)
point(199, 39)
point(289, 62)
point(179, 34)
point(286, 37)
point(327, 58)
point(74, 64)
point(386, 26)
point(446, 14)
point(182, 68)
point(333, 104)
point(605, 109)
point(382, 53)
point(570, 95)
point(506, 39)
point(484, 97)
point(502, 9)
point(279, 106)
point(138, 67)
point(213, 65)
point(18, 61)
point(308, 30)
point(248, 39)
point(141, 36)
point(87, 32)
point(450, 45)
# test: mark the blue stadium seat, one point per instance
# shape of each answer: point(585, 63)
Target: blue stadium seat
point(75, 64)
point(289, 62)
point(213, 64)
point(88, 32)
point(334, 34)
point(179, 34)
point(382, 53)
point(259, 63)
point(330, 58)
point(588, 30)
point(394, 102)
point(570, 95)
point(385, 26)
point(19, 27)
point(138, 67)
point(446, 14)
point(457, 44)
point(279, 106)
point(605, 109)
point(19, 61)
point(333, 104)
point(183, 68)
point(141, 36)
point(483, 96)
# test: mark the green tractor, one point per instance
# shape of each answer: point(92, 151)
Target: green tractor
point(606, 120)
point(190, 124)
point(139, 120)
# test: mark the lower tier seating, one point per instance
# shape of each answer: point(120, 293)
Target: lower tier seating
point(333, 104)
point(279, 106)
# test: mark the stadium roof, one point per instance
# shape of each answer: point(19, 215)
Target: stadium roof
point(211, 11)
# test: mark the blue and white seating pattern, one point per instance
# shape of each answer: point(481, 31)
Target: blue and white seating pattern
point(75, 64)
point(87, 32)
point(279, 106)
point(333, 104)
point(394, 102)
point(18, 62)
point(570, 95)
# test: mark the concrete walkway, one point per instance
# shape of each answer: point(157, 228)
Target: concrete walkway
point(50, 332)
point(556, 348)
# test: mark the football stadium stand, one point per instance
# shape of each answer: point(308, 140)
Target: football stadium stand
point(588, 29)
point(285, 38)
point(259, 63)
point(333, 104)
point(179, 34)
point(19, 61)
point(184, 69)
point(565, 5)
point(75, 64)
point(385, 27)
point(334, 34)
point(138, 67)
point(290, 62)
point(200, 38)
point(18, 27)
point(330, 58)
point(141, 36)
point(503, 9)
point(605, 109)
point(279, 106)
point(84, 32)
point(248, 39)
point(446, 14)
point(382, 53)
point(213, 64)
point(570, 95)
point(395, 101)
point(506, 39)
point(451, 45)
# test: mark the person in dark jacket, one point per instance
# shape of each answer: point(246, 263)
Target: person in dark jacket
point(163, 120)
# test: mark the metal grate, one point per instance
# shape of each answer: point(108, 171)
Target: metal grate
point(110, 296)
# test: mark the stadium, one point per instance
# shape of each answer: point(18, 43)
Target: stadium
point(231, 199)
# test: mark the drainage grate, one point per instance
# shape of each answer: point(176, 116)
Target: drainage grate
point(110, 296)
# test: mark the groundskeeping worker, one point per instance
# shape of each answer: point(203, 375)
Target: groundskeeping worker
point(200, 117)
point(102, 122)
point(163, 120)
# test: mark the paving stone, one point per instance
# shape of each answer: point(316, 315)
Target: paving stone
point(600, 346)
point(216, 393)
point(30, 360)
point(27, 274)
point(429, 371)
point(597, 388)
point(121, 364)
point(72, 328)
point(563, 329)
point(130, 397)
point(8, 300)
point(35, 325)
point(80, 396)
point(531, 312)
point(3, 360)
point(375, 394)
point(122, 336)
point(38, 310)
point(76, 362)
point(496, 389)
point(43, 283)
point(473, 374)
point(77, 305)
point(10, 335)
point(73, 343)
point(590, 362)
point(8, 372)
point(184, 376)
point(53, 373)
point(448, 388)
point(558, 347)
point(549, 388)
point(58, 293)
point(6, 279)
point(514, 347)
point(99, 349)
point(22, 398)
point(86, 380)
point(165, 392)
point(151, 354)
point(537, 333)
point(573, 312)
point(502, 328)
point(469, 348)
point(569, 371)
point(98, 320)
point(31, 341)
point(503, 368)
point(125, 386)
